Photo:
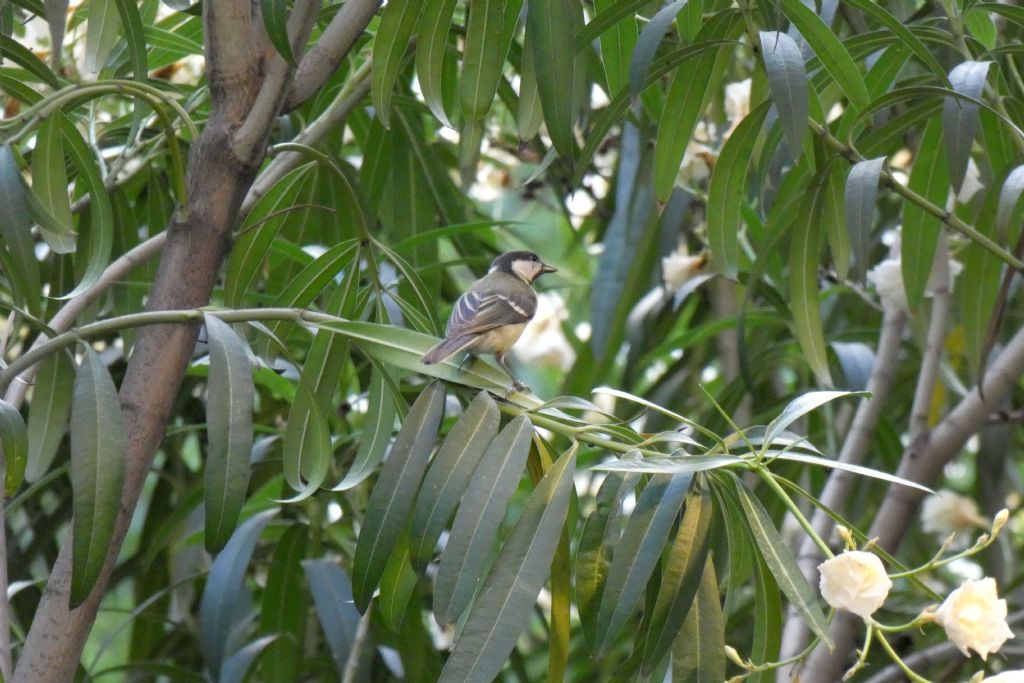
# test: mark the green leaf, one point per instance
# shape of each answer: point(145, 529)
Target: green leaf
point(903, 35)
point(135, 37)
point(680, 578)
point(859, 202)
point(804, 251)
point(23, 57)
point(101, 211)
point(688, 97)
point(550, 24)
point(960, 118)
point(450, 473)
point(397, 22)
point(688, 464)
point(48, 413)
point(808, 459)
point(829, 50)
point(929, 178)
point(49, 174)
point(259, 230)
point(17, 253)
point(397, 585)
point(431, 46)
point(609, 13)
point(284, 605)
point(102, 32)
point(275, 21)
point(616, 26)
point(479, 519)
point(13, 447)
point(237, 667)
point(510, 589)
point(98, 453)
point(395, 491)
point(639, 552)
point(1009, 198)
point(698, 653)
point(728, 189)
point(483, 55)
point(782, 565)
point(647, 45)
point(767, 621)
point(800, 406)
point(332, 595)
point(787, 83)
point(530, 114)
point(598, 541)
point(378, 424)
point(560, 639)
point(229, 429)
point(834, 216)
point(218, 608)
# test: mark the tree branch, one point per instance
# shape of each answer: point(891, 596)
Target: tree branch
point(326, 55)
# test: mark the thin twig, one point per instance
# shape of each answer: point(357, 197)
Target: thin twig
point(354, 654)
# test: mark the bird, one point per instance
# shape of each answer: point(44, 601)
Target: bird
point(494, 311)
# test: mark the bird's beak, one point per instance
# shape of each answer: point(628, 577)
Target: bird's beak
point(545, 268)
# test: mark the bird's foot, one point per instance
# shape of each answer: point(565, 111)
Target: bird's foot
point(517, 386)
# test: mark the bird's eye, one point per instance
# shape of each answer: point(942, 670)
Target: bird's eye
point(533, 257)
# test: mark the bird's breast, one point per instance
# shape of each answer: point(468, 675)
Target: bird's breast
point(499, 339)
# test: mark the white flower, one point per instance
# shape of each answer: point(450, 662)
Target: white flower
point(855, 581)
point(737, 103)
point(975, 618)
point(1006, 677)
point(947, 512)
point(543, 341)
point(971, 186)
point(679, 266)
point(887, 277)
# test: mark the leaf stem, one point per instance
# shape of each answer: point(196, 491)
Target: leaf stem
point(769, 479)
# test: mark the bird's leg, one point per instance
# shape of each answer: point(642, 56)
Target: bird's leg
point(470, 357)
point(517, 385)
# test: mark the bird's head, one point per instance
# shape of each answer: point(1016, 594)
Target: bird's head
point(525, 265)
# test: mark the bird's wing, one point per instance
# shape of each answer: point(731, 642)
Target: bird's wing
point(480, 311)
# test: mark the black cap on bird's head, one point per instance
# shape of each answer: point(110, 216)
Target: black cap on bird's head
point(523, 264)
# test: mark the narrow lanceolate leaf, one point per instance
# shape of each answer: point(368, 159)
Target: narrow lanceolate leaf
point(397, 585)
point(392, 499)
point(799, 407)
point(767, 620)
point(727, 192)
point(218, 608)
point(680, 577)
point(49, 174)
point(787, 83)
point(617, 42)
point(135, 37)
point(782, 565)
point(647, 45)
point(431, 44)
point(638, 552)
point(829, 50)
point(482, 58)
point(689, 464)
point(449, 475)
point(97, 471)
point(598, 540)
point(960, 117)
point(101, 211)
point(510, 590)
point(275, 21)
point(804, 251)
point(861, 190)
point(1009, 197)
point(17, 254)
point(283, 606)
point(551, 24)
point(698, 653)
point(397, 22)
point(530, 114)
point(378, 425)
point(48, 413)
point(859, 470)
point(236, 668)
point(103, 30)
point(479, 519)
point(332, 595)
point(687, 99)
point(835, 221)
point(229, 430)
point(13, 447)
point(929, 177)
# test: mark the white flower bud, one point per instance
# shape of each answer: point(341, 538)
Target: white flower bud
point(975, 618)
point(855, 581)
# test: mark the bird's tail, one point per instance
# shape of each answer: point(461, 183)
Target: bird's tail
point(447, 348)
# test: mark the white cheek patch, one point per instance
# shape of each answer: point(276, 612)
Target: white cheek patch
point(524, 270)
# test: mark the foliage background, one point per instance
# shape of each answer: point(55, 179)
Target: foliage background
point(616, 138)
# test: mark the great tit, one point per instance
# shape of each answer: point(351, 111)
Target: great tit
point(492, 314)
